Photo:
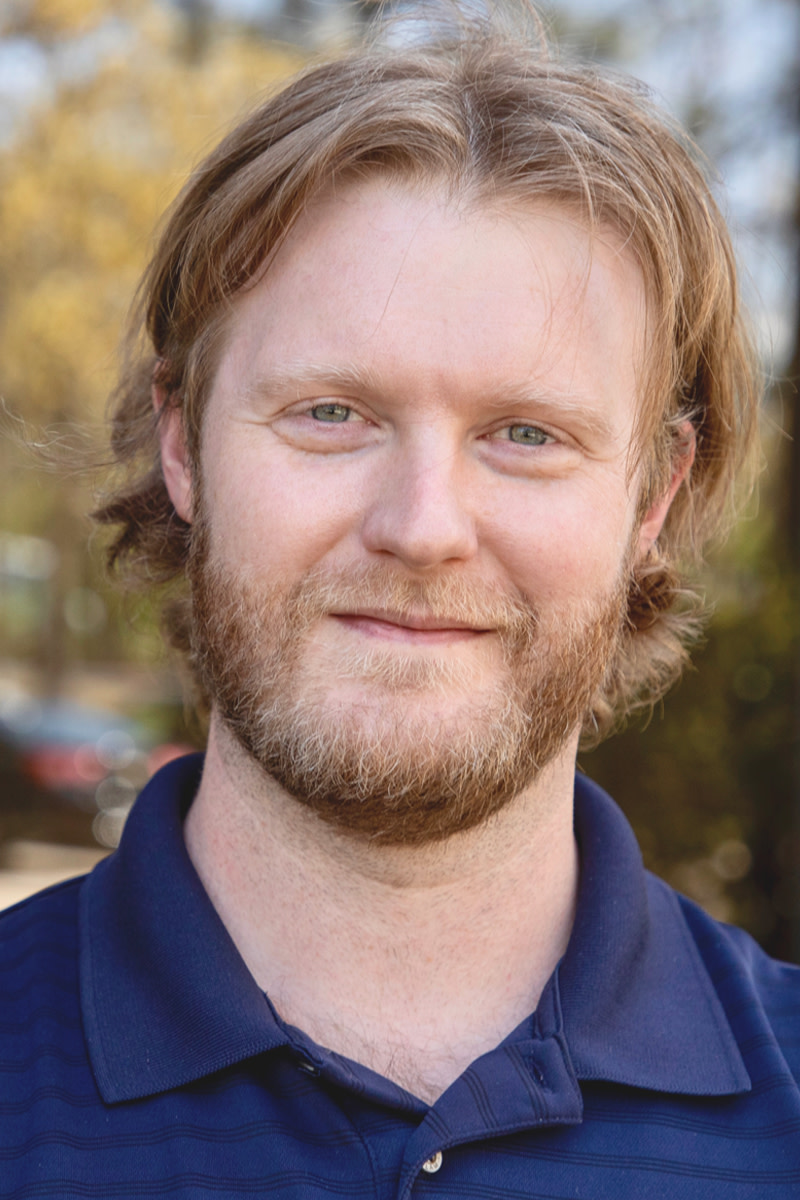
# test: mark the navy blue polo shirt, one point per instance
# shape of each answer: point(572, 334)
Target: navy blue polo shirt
point(138, 1057)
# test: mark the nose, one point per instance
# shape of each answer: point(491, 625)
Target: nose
point(420, 512)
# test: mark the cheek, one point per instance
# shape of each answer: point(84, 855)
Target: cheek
point(274, 517)
point(564, 548)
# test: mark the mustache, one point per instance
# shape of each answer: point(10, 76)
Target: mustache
point(446, 599)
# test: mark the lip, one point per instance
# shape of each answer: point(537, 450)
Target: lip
point(420, 629)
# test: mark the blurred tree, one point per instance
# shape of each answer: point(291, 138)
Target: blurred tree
point(135, 95)
point(712, 785)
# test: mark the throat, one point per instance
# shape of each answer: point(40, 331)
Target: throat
point(416, 985)
point(412, 962)
point(421, 1048)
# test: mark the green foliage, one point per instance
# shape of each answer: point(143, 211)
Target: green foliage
point(708, 783)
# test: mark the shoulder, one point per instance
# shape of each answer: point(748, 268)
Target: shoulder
point(760, 995)
point(732, 956)
point(35, 919)
point(39, 992)
point(29, 919)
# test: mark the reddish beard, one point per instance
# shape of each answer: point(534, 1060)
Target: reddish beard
point(373, 766)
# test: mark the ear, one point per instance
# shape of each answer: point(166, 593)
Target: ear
point(656, 515)
point(174, 459)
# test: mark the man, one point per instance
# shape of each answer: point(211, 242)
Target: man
point(444, 380)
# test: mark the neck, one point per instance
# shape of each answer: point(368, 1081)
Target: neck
point(412, 961)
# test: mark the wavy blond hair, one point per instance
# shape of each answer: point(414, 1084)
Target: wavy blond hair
point(493, 113)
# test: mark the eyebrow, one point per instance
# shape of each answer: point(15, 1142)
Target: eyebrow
point(354, 379)
point(295, 375)
point(552, 404)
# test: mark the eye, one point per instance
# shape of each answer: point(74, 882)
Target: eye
point(333, 414)
point(527, 435)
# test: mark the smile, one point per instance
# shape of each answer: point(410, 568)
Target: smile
point(422, 631)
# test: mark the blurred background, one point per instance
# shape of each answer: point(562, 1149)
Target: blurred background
point(104, 106)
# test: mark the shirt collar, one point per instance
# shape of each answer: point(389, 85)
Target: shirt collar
point(166, 997)
point(637, 1002)
point(168, 1000)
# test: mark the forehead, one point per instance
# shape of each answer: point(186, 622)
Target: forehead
point(443, 298)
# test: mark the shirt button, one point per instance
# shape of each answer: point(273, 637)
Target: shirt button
point(433, 1163)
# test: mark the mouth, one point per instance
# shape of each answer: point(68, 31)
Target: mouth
point(409, 628)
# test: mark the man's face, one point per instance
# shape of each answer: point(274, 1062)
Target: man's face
point(416, 521)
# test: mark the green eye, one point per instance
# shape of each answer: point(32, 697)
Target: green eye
point(527, 435)
point(333, 413)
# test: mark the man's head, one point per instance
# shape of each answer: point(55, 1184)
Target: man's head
point(415, 519)
point(485, 164)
